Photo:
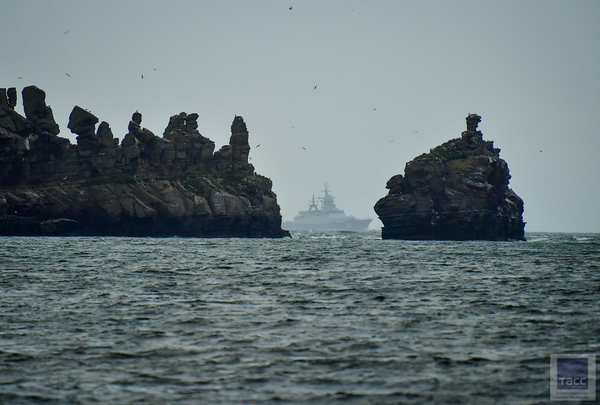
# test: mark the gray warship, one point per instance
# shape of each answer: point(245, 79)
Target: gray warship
point(326, 217)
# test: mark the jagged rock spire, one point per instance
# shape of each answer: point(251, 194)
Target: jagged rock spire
point(36, 110)
point(472, 121)
point(240, 148)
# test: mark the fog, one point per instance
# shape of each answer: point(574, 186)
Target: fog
point(343, 92)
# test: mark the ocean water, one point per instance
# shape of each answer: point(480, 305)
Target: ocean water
point(320, 318)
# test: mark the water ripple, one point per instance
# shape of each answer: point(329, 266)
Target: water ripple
point(320, 318)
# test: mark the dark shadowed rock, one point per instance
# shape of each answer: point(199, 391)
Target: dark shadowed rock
point(189, 147)
point(240, 148)
point(459, 190)
point(129, 146)
point(82, 122)
point(36, 110)
point(191, 121)
point(105, 135)
point(12, 97)
point(146, 186)
point(13, 121)
point(137, 118)
point(473, 121)
point(3, 98)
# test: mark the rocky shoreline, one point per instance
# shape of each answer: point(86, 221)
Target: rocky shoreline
point(175, 185)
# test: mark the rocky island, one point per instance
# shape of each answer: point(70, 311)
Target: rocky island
point(457, 191)
point(174, 185)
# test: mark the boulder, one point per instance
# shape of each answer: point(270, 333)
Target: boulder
point(105, 135)
point(82, 122)
point(130, 148)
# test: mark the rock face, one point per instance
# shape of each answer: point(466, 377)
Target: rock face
point(145, 186)
point(458, 191)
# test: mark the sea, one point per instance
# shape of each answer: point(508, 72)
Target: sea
point(319, 318)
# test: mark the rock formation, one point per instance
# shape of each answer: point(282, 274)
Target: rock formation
point(36, 110)
point(459, 191)
point(145, 186)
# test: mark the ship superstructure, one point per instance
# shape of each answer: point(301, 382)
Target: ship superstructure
point(325, 217)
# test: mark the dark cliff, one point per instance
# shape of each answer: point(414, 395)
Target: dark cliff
point(458, 191)
point(175, 185)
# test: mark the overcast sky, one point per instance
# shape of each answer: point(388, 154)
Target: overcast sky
point(394, 79)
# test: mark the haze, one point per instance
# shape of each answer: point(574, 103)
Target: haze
point(393, 79)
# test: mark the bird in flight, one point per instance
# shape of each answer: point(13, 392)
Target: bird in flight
point(258, 145)
point(290, 7)
point(65, 32)
point(142, 76)
point(315, 87)
point(68, 74)
point(19, 77)
point(303, 148)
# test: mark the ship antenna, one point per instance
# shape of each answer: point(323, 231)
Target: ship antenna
point(313, 204)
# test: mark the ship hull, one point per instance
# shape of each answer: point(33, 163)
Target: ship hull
point(350, 225)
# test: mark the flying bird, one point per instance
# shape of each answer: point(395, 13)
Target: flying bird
point(142, 76)
point(68, 74)
point(290, 7)
point(19, 77)
point(65, 32)
point(303, 148)
point(258, 145)
point(315, 87)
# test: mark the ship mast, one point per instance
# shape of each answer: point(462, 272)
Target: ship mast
point(327, 203)
point(313, 204)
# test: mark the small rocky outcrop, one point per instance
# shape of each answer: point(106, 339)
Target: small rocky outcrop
point(36, 110)
point(145, 186)
point(457, 191)
point(188, 146)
